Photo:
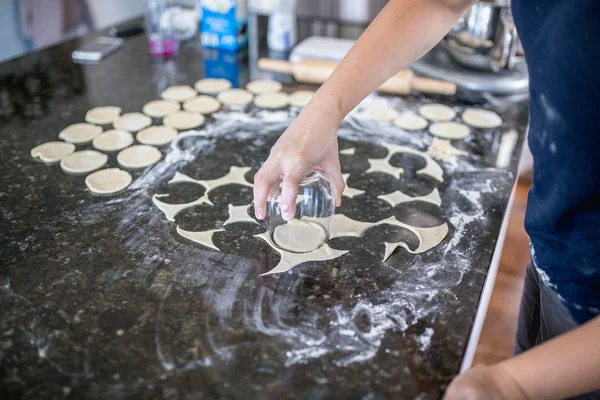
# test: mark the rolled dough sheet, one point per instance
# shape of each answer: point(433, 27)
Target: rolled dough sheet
point(102, 115)
point(202, 104)
point(205, 238)
point(449, 130)
point(160, 108)
point(235, 97)
point(263, 86)
point(108, 181)
point(132, 122)
point(272, 100)
point(301, 98)
point(379, 113)
point(398, 198)
point(156, 135)
point(84, 161)
point(437, 112)
point(411, 122)
point(299, 236)
point(183, 120)
point(52, 152)
point(113, 140)
point(484, 119)
point(80, 133)
point(212, 85)
point(178, 93)
point(348, 191)
point(138, 156)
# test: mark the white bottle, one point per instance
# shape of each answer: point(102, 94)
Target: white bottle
point(281, 35)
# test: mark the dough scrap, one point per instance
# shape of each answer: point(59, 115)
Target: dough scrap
point(272, 100)
point(183, 120)
point(449, 130)
point(299, 236)
point(80, 133)
point(102, 115)
point(411, 122)
point(157, 135)
point(398, 198)
point(239, 214)
point(205, 238)
point(178, 93)
point(113, 140)
point(348, 152)
point(235, 97)
point(132, 122)
point(348, 191)
point(428, 237)
point(171, 210)
point(202, 104)
point(484, 119)
point(301, 98)
point(437, 112)
point(432, 168)
point(138, 156)
point(161, 108)
point(84, 161)
point(383, 165)
point(380, 113)
point(443, 150)
point(52, 152)
point(263, 86)
point(108, 181)
point(236, 175)
point(212, 85)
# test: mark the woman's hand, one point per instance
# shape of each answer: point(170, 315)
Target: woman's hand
point(490, 383)
point(310, 142)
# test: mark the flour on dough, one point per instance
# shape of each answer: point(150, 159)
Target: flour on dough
point(205, 238)
point(348, 191)
point(236, 175)
point(235, 97)
point(102, 115)
point(202, 104)
point(398, 198)
point(379, 113)
point(132, 122)
point(411, 122)
point(108, 181)
point(160, 108)
point(348, 152)
point(449, 130)
point(138, 156)
point(299, 236)
point(443, 150)
point(239, 214)
point(178, 93)
point(212, 85)
point(157, 135)
point(481, 118)
point(437, 112)
point(171, 210)
point(272, 100)
point(52, 152)
point(301, 98)
point(84, 161)
point(263, 86)
point(80, 133)
point(112, 140)
point(183, 120)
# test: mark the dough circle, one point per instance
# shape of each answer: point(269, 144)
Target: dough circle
point(182, 120)
point(411, 122)
point(301, 98)
point(156, 135)
point(449, 130)
point(437, 112)
point(178, 93)
point(112, 140)
point(212, 85)
point(235, 97)
point(102, 115)
point(80, 133)
point(202, 104)
point(160, 108)
point(272, 100)
point(299, 236)
point(52, 152)
point(380, 113)
point(138, 156)
point(83, 161)
point(108, 181)
point(484, 119)
point(132, 122)
point(263, 86)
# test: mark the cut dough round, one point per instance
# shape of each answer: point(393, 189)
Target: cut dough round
point(102, 115)
point(481, 118)
point(301, 98)
point(449, 130)
point(83, 161)
point(235, 97)
point(80, 133)
point(52, 152)
point(156, 135)
point(437, 112)
point(380, 113)
point(212, 85)
point(299, 236)
point(182, 120)
point(202, 104)
point(411, 122)
point(113, 140)
point(263, 86)
point(161, 108)
point(272, 100)
point(108, 181)
point(178, 93)
point(138, 156)
point(132, 122)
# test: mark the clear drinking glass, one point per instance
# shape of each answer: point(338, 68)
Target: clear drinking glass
point(160, 29)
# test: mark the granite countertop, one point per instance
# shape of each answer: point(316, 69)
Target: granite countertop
point(100, 298)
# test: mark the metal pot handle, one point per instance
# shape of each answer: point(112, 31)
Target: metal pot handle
point(507, 43)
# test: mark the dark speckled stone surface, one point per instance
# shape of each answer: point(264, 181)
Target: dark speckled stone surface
point(100, 298)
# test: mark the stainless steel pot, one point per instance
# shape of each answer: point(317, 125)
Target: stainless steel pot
point(485, 38)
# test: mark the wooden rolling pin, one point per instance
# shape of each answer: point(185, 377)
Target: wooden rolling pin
point(317, 72)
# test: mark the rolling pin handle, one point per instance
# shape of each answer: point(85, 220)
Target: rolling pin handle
point(433, 86)
point(282, 66)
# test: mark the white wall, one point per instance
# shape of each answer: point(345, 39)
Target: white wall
point(11, 43)
point(109, 12)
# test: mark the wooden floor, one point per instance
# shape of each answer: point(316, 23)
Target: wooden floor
point(497, 337)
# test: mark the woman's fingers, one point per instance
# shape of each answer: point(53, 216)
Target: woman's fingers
point(289, 190)
point(264, 180)
point(334, 174)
